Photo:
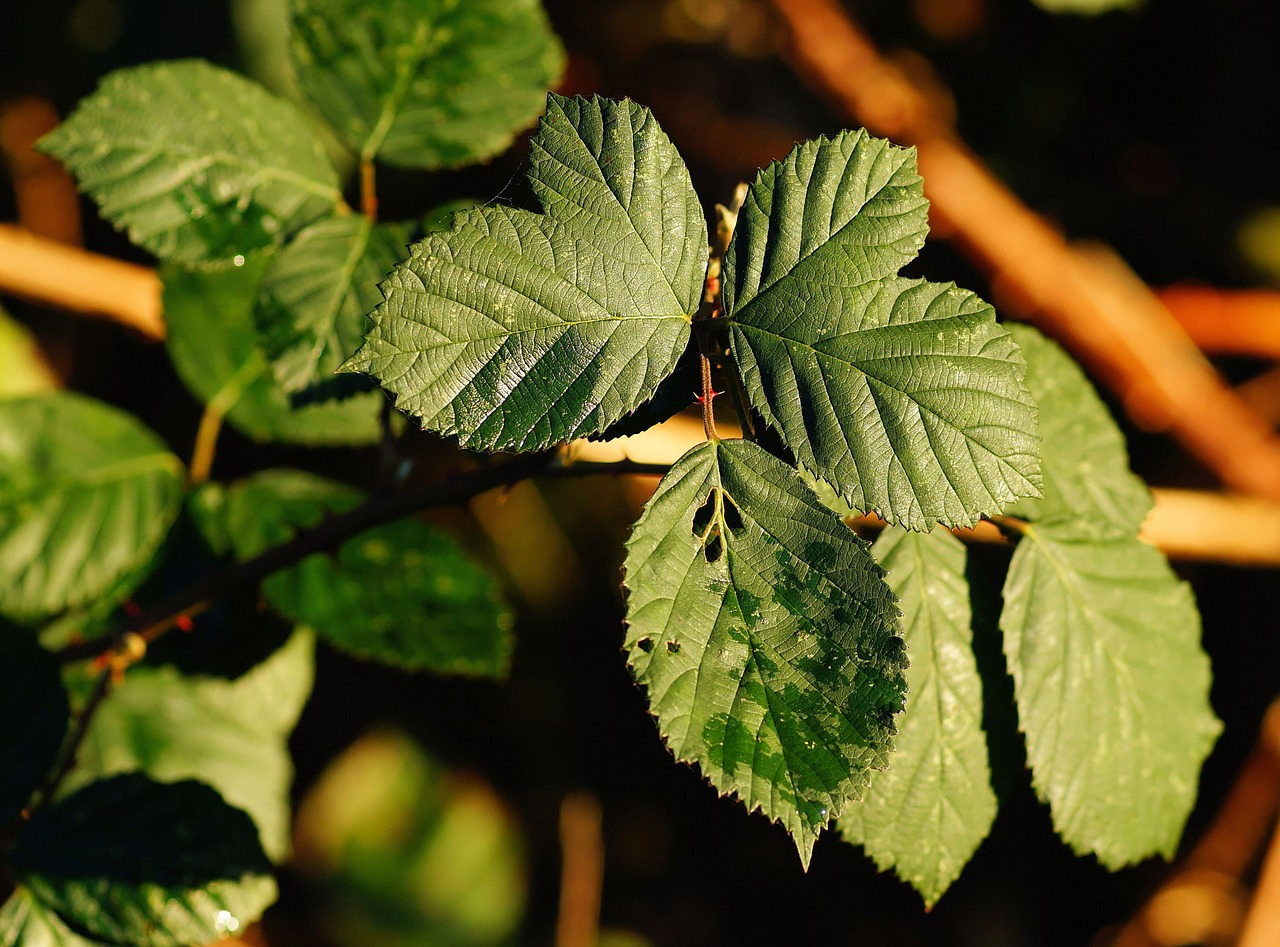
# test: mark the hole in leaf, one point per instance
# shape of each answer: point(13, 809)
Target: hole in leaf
point(713, 547)
point(702, 518)
point(673, 647)
point(732, 518)
point(645, 645)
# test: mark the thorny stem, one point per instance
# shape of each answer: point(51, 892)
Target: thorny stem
point(710, 309)
point(708, 393)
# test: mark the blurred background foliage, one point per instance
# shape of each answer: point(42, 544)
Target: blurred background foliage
point(1153, 128)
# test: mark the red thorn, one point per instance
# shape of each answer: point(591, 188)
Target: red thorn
point(702, 399)
point(100, 662)
point(131, 608)
point(184, 623)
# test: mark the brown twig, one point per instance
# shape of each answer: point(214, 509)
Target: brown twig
point(1086, 299)
point(1228, 322)
point(50, 272)
point(581, 873)
point(368, 189)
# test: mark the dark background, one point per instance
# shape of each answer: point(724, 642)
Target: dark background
point(1153, 130)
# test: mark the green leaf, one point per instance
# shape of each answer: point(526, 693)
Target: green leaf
point(1087, 7)
point(403, 593)
point(197, 163)
point(408, 853)
point(231, 734)
point(137, 862)
point(87, 494)
point(905, 395)
point(23, 369)
point(33, 719)
point(1087, 481)
point(212, 342)
point(25, 922)
point(1112, 688)
point(316, 292)
point(765, 636)
point(518, 330)
point(927, 814)
point(426, 83)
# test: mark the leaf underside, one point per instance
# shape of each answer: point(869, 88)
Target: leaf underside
point(518, 330)
point(926, 815)
point(1112, 688)
point(87, 495)
point(422, 83)
point(905, 395)
point(197, 163)
point(765, 636)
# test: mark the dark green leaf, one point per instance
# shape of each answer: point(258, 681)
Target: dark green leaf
point(426, 84)
point(25, 922)
point(212, 343)
point(197, 163)
point(87, 494)
point(132, 861)
point(1087, 480)
point(403, 593)
point(764, 634)
point(33, 719)
point(905, 395)
point(926, 816)
point(1103, 643)
point(231, 735)
point(518, 330)
point(675, 393)
point(316, 293)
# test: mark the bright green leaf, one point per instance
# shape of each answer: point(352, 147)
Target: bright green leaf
point(148, 864)
point(197, 163)
point(23, 369)
point(33, 719)
point(518, 330)
point(408, 853)
point(765, 636)
point(1087, 480)
point(1112, 688)
point(426, 83)
point(402, 593)
point(927, 814)
point(87, 494)
point(905, 395)
point(25, 922)
point(316, 293)
point(213, 345)
point(231, 734)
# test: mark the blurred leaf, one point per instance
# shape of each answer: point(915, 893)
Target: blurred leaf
point(25, 922)
point(904, 395)
point(927, 814)
point(1259, 240)
point(197, 163)
point(34, 714)
point(1112, 688)
point(137, 862)
point(87, 494)
point(1087, 7)
point(316, 294)
point(1087, 481)
point(409, 854)
point(23, 369)
point(517, 330)
point(213, 346)
point(426, 84)
point(764, 635)
point(402, 593)
point(232, 735)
